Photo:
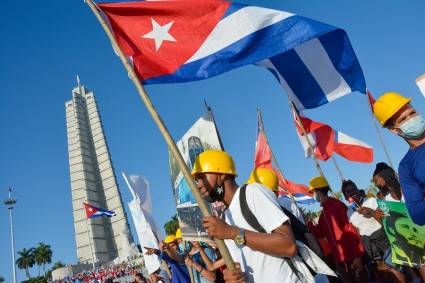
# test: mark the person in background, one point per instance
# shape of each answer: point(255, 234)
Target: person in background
point(395, 113)
point(342, 237)
point(139, 278)
point(169, 252)
point(371, 231)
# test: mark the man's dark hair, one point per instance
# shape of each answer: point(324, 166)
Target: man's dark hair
point(345, 184)
point(140, 276)
point(380, 167)
point(323, 190)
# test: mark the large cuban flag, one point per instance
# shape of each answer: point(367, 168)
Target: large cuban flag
point(188, 40)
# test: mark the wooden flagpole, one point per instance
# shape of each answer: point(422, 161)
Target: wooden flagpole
point(338, 168)
point(378, 132)
point(163, 129)
point(310, 145)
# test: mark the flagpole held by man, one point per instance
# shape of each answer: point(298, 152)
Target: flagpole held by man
point(163, 129)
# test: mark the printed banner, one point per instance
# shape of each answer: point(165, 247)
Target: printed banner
point(200, 137)
point(406, 238)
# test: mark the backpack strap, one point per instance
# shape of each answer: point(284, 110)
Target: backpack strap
point(253, 222)
point(247, 213)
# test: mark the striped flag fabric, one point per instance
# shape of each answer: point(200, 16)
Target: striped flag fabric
point(93, 211)
point(325, 141)
point(182, 41)
point(263, 159)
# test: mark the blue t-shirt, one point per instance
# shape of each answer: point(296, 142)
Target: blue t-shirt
point(179, 271)
point(411, 173)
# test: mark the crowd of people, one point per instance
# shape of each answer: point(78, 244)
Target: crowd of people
point(353, 240)
point(106, 274)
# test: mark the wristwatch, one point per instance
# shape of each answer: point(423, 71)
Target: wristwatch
point(240, 239)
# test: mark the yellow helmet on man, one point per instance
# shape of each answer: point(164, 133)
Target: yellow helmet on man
point(386, 106)
point(266, 177)
point(178, 234)
point(169, 239)
point(214, 161)
point(318, 183)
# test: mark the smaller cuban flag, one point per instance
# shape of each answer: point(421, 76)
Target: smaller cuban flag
point(93, 212)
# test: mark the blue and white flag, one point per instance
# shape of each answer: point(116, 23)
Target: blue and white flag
point(181, 41)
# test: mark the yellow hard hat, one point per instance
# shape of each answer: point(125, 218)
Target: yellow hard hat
point(214, 161)
point(179, 234)
point(318, 183)
point(169, 239)
point(387, 105)
point(265, 177)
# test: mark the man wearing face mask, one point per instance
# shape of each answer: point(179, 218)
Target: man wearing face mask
point(260, 254)
point(395, 113)
point(344, 241)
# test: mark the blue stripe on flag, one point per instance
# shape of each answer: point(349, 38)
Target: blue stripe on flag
point(341, 53)
point(299, 79)
point(233, 8)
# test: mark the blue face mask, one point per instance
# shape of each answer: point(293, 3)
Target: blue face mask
point(413, 128)
point(182, 247)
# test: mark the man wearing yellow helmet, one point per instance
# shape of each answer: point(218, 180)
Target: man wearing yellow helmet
point(343, 239)
point(168, 251)
point(260, 254)
point(395, 113)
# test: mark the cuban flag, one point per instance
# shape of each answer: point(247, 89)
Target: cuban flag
point(326, 141)
point(93, 212)
point(182, 41)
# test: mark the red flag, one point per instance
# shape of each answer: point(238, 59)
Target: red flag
point(321, 137)
point(263, 159)
point(371, 99)
point(325, 141)
point(160, 36)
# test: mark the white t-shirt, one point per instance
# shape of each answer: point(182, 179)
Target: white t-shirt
point(258, 266)
point(366, 226)
point(390, 198)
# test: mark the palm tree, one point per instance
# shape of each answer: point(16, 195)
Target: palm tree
point(172, 225)
point(42, 256)
point(26, 260)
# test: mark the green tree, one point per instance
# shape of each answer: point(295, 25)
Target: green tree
point(172, 225)
point(42, 256)
point(26, 260)
point(1, 279)
point(58, 264)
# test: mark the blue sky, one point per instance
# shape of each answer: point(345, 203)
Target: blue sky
point(45, 44)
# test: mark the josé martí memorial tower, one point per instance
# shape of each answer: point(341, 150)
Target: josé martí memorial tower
point(93, 181)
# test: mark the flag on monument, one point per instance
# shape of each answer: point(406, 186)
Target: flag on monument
point(263, 159)
point(93, 211)
point(325, 141)
point(146, 228)
point(182, 41)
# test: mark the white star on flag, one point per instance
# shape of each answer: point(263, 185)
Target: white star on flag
point(159, 33)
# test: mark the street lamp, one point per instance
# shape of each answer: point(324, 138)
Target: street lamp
point(10, 202)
